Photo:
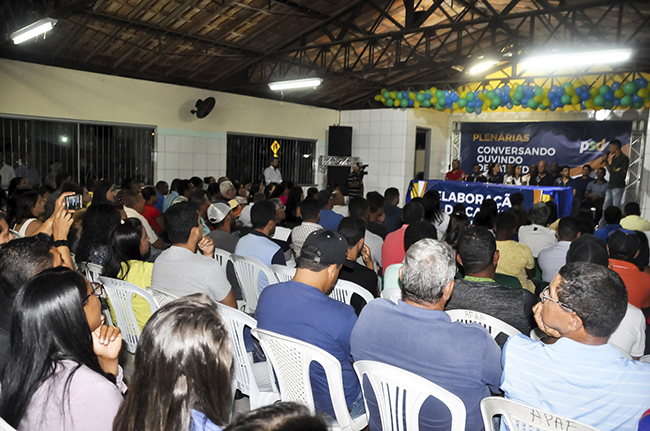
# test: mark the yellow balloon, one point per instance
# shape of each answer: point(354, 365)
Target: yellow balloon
point(377, 98)
point(463, 95)
point(392, 95)
point(482, 96)
point(570, 90)
point(538, 99)
point(546, 102)
point(575, 100)
point(644, 92)
point(416, 104)
point(578, 83)
point(620, 93)
point(383, 90)
point(433, 90)
point(455, 106)
point(546, 91)
point(487, 103)
point(589, 104)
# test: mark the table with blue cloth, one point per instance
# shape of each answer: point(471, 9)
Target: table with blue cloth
point(473, 194)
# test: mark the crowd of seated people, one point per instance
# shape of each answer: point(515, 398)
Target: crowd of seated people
point(585, 298)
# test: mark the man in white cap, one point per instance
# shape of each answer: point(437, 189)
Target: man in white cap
point(221, 217)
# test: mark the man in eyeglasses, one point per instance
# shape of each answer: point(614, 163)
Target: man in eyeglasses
point(580, 376)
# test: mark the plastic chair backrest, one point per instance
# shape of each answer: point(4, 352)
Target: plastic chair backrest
point(91, 271)
point(283, 273)
point(644, 358)
point(248, 272)
point(290, 359)
point(243, 371)
point(343, 291)
point(492, 324)
point(392, 294)
point(221, 256)
point(4, 426)
point(15, 234)
point(400, 395)
point(120, 293)
point(521, 417)
point(161, 298)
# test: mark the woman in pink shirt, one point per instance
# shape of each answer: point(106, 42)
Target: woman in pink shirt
point(62, 372)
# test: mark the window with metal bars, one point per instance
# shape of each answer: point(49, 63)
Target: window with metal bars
point(249, 155)
point(85, 150)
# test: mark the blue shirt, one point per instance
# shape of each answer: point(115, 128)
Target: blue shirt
point(604, 232)
point(595, 385)
point(168, 200)
point(200, 422)
point(464, 359)
point(159, 204)
point(260, 247)
point(304, 312)
point(393, 217)
point(580, 185)
point(329, 219)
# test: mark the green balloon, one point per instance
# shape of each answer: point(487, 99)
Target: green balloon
point(439, 94)
point(517, 102)
point(389, 102)
point(600, 100)
point(566, 99)
point(462, 103)
point(518, 95)
point(426, 104)
point(608, 104)
point(404, 103)
point(386, 94)
point(532, 104)
point(470, 110)
point(539, 91)
point(604, 89)
point(399, 95)
point(543, 107)
point(470, 95)
point(441, 100)
point(630, 88)
point(420, 97)
point(638, 105)
point(626, 100)
point(496, 101)
point(489, 94)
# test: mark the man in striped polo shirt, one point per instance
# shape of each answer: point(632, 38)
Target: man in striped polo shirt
point(580, 376)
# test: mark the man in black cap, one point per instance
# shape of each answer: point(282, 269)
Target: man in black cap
point(301, 309)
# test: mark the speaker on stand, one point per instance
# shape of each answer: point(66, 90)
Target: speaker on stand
point(339, 144)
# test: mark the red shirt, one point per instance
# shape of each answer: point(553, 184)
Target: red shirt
point(637, 282)
point(151, 214)
point(393, 249)
point(457, 176)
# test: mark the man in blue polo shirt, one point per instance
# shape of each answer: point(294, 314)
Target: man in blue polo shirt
point(301, 309)
point(418, 336)
point(580, 376)
point(328, 218)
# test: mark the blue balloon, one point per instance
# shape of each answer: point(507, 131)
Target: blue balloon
point(559, 91)
point(609, 95)
point(411, 102)
point(427, 96)
point(509, 106)
point(552, 107)
point(585, 96)
point(585, 87)
point(405, 94)
point(615, 85)
point(552, 95)
point(582, 105)
point(639, 81)
point(478, 110)
point(579, 91)
point(643, 83)
point(617, 102)
point(636, 98)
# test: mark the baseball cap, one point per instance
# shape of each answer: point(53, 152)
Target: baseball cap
point(235, 207)
point(327, 247)
point(217, 212)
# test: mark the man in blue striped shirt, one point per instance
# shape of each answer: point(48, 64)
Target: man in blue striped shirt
point(580, 376)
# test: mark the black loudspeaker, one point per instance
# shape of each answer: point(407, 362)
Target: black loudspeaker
point(340, 141)
point(339, 144)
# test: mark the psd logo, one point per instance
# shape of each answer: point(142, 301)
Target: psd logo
point(592, 146)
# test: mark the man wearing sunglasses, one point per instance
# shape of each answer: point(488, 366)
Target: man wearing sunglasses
point(580, 376)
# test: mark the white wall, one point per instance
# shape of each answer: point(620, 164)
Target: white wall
point(185, 144)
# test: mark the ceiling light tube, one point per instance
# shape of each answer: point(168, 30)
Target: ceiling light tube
point(576, 59)
point(33, 30)
point(481, 67)
point(297, 83)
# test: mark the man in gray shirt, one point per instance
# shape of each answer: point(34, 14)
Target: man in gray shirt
point(221, 217)
point(477, 252)
point(178, 270)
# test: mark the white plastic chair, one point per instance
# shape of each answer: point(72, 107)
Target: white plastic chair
point(248, 272)
point(121, 293)
point(290, 359)
point(392, 294)
point(521, 417)
point(244, 377)
point(161, 298)
point(221, 256)
point(492, 324)
point(15, 234)
point(283, 273)
point(4, 426)
point(400, 395)
point(343, 291)
point(92, 272)
point(644, 358)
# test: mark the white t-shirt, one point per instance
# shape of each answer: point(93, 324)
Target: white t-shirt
point(537, 238)
point(630, 334)
point(272, 175)
point(8, 174)
point(441, 228)
point(180, 272)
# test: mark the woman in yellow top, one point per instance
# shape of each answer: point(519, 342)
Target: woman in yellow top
point(128, 243)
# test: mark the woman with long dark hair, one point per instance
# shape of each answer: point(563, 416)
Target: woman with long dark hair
point(182, 370)
point(458, 222)
point(128, 243)
point(62, 372)
point(104, 192)
point(494, 174)
point(30, 206)
point(486, 215)
point(294, 198)
point(515, 179)
point(433, 213)
point(97, 223)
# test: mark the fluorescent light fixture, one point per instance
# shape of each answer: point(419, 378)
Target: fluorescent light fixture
point(297, 83)
point(481, 67)
point(576, 59)
point(31, 31)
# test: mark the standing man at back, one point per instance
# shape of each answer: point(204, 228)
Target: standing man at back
point(418, 336)
point(392, 213)
point(617, 168)
point(355, 181)
point(272, 173)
